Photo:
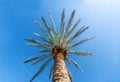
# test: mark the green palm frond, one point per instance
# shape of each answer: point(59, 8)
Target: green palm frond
point(41, 68)
point(42, 38)
point(36, 43)
point(44, 51)
point(74, 63)
point(41, 28)
point(62, 29)
point(67, 60)
point(46, 46)
point(70, 75)
point(31, 40)
point(70, 21)
point(79, 42)
point(63, 40)
point(51, 42)
point(80, 31)
point(48, 28)
point(73, 28)
point(53, 24)
point(68, 33)
point(31, 59)
point(39, 25)
point(51, 72)
point(82, 53)
point(40, 59)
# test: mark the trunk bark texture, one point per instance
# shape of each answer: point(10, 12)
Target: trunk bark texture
point(60, 73)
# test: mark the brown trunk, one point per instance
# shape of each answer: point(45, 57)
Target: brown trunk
point(60, 71)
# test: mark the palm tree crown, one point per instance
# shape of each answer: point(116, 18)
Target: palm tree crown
point(57, 41)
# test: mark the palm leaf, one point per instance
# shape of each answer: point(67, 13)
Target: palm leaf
point(70, 75)
point(31, 40)
point(40, 59)
point(48, 28)
point(80, 31)
point(34, 44)
point(83, 53)
point(51, 42)
point(42, 38)
point(41, 68)
point(53, 24)
point(51, 72)
point(75, 63)
point(41, 45)
point(31, 59)
point(43, 51)
point(39, 25)
point(70, 32)
point(70, 21)
point(80, 42)
point(67, 60)
point(67, 28)
point(73, 28)
point(62, 26)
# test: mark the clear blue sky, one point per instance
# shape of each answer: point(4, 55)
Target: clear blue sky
point(103, 17)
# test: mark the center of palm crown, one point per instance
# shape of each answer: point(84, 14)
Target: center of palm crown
point(59, 49)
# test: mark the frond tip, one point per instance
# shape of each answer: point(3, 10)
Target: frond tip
point(41, 68)
point(31, 59)
point(82, 53)
point(80, 42)
point(51, 72)
point(74, 63)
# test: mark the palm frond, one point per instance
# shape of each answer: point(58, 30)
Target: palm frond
point(82, 53)
point(74, 63)
point(73, 28)
point(31, 59)
point(69, 32)
point(53, 24)
point(31, 40)
point(40, 59)
point(80, 31)
point(42, 38)
point(41, 68)
point(70, 75)
point(34, 44)
point(80, 42)
point(67, 60)
point(46, 46)
point(70, 21)
point(51, 41)
point(51, 72)
point(67, 28)
point(62, 25)
point(39, 25)
point(44, 51)
point(48, 28)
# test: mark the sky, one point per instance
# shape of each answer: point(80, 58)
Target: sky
point(102, 16)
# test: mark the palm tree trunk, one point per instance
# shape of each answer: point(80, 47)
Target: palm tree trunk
point(60, 73)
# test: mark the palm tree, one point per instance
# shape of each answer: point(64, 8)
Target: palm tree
point(56, 47)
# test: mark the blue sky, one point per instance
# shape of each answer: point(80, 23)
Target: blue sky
point(102, 16)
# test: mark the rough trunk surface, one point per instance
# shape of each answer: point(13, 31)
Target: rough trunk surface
point(60, 71)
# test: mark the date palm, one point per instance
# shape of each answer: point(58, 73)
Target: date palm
point(56, 47)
